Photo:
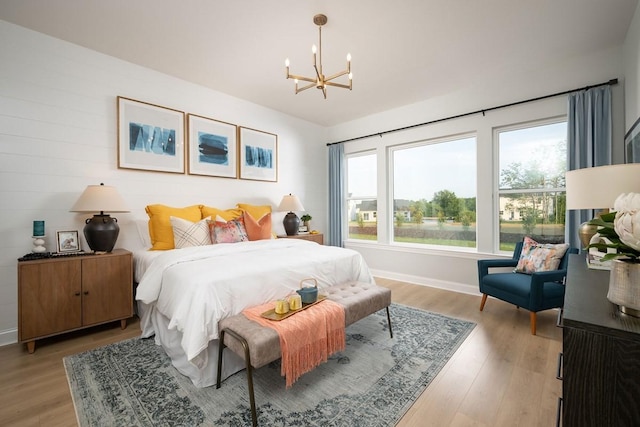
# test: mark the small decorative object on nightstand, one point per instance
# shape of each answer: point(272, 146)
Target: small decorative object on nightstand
point(38, 237)
point(306, 219)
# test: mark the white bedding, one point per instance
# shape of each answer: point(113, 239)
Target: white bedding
point(197, 287)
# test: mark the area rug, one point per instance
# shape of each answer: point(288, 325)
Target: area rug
point(372, 383)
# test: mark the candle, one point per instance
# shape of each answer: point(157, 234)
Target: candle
point(38, 228)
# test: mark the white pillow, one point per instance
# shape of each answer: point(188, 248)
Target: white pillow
point(187, 233)
point(142, 225)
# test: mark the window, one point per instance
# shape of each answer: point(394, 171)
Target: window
point(531, 183)
point(362, 202)
point(434, 192)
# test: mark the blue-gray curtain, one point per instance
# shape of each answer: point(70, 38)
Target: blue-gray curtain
point(588, 143)
point(336, 195)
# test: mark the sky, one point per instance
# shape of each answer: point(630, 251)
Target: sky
point(419, 171)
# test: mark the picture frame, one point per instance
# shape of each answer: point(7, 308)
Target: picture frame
point(67, 241)
point(150, 137)
point(258, 155)
point(212, 147)
point(632, 143)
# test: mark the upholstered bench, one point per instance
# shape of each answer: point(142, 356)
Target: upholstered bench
point(259, 345)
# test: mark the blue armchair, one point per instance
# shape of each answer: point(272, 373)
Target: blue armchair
point(534, 292)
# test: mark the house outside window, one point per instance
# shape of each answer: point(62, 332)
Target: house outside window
point(362, 196)
point(531, 182)
point(434, 192)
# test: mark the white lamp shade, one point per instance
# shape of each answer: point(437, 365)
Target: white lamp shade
point(100, 198)
point(290, 203)
point(598, 187)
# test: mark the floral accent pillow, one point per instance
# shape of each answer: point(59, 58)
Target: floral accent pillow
point(536, 257)
point(228, 232)
point(187, 233)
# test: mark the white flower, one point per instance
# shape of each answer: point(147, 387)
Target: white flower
point(627, 221)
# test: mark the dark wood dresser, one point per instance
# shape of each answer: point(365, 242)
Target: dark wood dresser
point(601, 353)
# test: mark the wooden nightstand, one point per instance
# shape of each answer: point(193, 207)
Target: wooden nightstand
point(57, 295)
point(318, 238)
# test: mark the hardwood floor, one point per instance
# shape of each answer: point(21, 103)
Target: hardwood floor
point(500, 376)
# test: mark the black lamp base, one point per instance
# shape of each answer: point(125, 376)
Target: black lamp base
point(101, 232)
point(291, 224)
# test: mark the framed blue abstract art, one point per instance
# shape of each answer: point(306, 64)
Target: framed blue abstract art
point(258, 155)
point(150, 137)
point(213, 147)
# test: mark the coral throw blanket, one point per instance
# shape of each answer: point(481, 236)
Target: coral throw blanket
point(307, 338)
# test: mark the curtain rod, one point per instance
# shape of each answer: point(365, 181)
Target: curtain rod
point(483, 111)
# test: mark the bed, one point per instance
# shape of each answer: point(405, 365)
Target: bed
point(182, 294)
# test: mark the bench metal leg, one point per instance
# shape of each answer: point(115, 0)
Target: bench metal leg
point(389, 320)
point(220, 349)
point(247, 359)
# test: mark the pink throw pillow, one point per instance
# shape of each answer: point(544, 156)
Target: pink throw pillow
point(228, 232)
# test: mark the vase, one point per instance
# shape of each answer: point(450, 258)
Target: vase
point(624, 286)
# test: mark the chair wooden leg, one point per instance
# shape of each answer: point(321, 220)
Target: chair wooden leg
point(533, 317)
point(484, 300)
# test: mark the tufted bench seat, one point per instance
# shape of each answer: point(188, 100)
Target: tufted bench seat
point(259, 345)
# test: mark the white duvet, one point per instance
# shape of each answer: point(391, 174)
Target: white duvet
point(197, 287)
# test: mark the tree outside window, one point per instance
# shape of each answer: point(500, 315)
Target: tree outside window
point(531, 183)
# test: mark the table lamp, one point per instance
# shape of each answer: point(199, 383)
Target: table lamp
point(291, 221)
point(101, 231)
point(597, 188)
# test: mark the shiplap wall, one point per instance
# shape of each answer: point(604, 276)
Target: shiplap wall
point(58, 135)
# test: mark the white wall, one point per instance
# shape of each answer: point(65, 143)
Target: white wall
point(58, 135)
point(631, 51)
point(458, 269)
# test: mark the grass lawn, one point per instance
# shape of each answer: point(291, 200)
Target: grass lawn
point(505, 227)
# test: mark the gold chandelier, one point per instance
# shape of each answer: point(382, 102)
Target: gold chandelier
point(320, 81)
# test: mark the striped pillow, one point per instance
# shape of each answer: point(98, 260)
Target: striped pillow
point(187, 233)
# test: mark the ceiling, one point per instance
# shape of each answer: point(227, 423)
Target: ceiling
point(403, 52)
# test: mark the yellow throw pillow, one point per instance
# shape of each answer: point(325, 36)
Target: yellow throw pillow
point(160, 229)
point(227, 214)
point(256, 211)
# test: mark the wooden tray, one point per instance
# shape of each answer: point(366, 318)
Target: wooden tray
point(272, 315)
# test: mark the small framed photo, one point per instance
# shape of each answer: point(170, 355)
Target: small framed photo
point(258, 155)
point(67, 241)
point(632, 143)
point(150, 137)
point(213, 147)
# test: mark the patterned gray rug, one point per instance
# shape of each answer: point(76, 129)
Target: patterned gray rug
point(372, 383)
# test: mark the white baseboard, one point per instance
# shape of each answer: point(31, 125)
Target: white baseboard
point(425, 281)
point(8, 337)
